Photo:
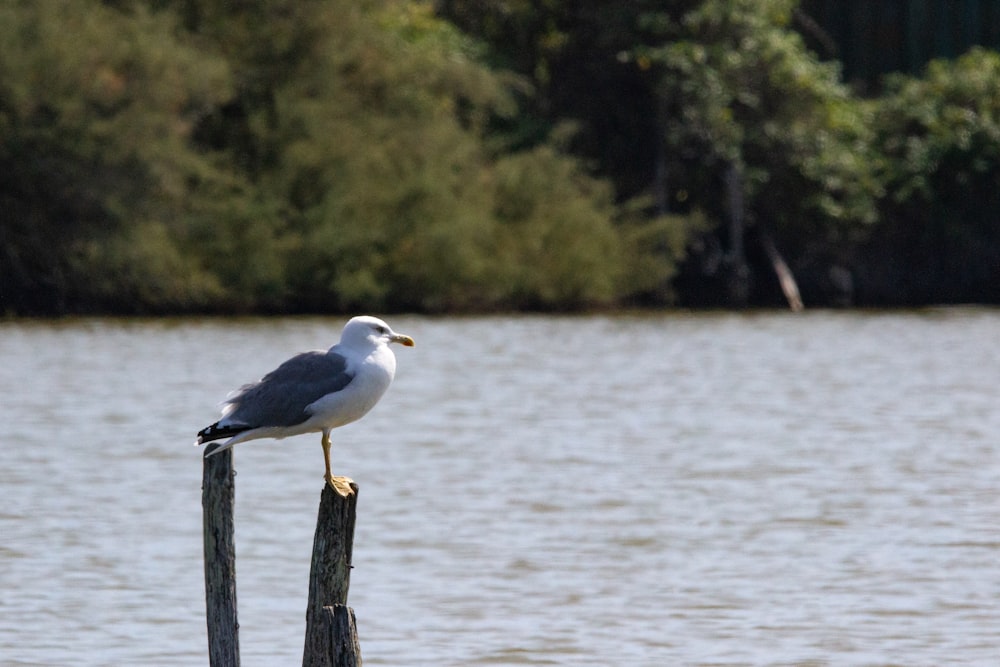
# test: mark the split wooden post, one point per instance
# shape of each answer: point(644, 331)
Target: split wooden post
point(217, 496)
point(340, 634)
point(331, 635)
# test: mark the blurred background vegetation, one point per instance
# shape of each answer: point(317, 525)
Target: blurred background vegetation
point(285, 156)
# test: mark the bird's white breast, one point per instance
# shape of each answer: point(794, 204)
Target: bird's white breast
point(372, 376)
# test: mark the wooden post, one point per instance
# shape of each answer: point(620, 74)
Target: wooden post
point(217, 493)
point(340, 634)
point(331, 636)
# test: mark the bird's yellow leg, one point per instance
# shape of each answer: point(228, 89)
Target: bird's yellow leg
point(326, 458)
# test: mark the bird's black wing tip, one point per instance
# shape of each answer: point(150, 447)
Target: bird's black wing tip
point(216, 432)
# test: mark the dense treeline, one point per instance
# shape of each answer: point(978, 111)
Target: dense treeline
point(327, 155)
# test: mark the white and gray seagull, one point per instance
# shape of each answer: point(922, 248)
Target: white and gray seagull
point(313, 391)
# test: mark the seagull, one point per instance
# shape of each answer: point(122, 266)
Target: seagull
point(314, 391)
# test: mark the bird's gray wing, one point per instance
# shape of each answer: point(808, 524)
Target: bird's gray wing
point(280, 397)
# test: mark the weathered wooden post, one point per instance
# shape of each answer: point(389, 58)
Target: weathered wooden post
point(217, 493)
point(331, 635)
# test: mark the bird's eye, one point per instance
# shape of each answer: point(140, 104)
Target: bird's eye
point(381, 329)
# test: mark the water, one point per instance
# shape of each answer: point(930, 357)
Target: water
point(636, 490)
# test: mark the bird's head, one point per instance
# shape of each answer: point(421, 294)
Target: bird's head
point(368, 330)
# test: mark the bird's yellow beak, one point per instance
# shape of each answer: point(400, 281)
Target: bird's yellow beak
point(403, 339)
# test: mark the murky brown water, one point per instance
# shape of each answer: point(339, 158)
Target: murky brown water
point(690, 490)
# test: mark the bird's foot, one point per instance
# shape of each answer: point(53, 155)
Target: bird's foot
point(343, 486)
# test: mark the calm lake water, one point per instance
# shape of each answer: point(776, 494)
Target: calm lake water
point(709, 489)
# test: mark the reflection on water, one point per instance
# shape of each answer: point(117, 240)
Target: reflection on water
point(634, 490)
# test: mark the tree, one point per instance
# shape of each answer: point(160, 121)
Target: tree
point(379, 131)
point(742, 98)
point(939, 141)
point(95, 110)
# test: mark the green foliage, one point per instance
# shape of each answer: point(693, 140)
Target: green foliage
point(571, 54)
point(378, 152)
point(939, 138)
point(88, 147)
point(941, 131)
point(320, 155)
point(654, 248)
point(739, 87)
point(278, 155)
point(143, 268)
point(556, 245)
point(382, 163)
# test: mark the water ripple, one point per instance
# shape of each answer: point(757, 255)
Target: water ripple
point(644, 490)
